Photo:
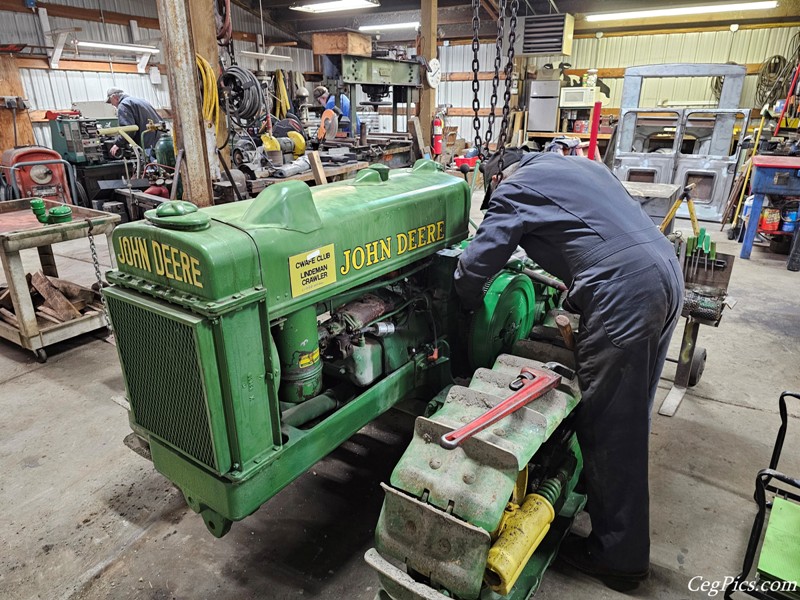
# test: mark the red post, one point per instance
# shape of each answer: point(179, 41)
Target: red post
point(788, 97)
point(595, 128)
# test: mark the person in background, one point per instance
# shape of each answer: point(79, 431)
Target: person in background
point(133, 111)
point(323, 97)
point(576, 220)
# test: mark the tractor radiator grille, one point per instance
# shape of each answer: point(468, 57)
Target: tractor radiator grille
point(160, 357)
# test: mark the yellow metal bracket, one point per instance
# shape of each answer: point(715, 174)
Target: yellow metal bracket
point(674, 210)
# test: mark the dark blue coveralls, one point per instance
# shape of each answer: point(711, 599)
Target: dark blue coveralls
point(135, 111)
point(576, 220)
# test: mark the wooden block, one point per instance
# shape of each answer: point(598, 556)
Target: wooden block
point(5, 299)
point(44, 309)
point(341, 42)
point(317, 168)
point(57, 300)
point(46, 317)
point(417, 142)
point(73, 291)
point(8, 317)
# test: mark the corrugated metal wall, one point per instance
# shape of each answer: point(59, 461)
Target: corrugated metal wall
point(54, 89)
point(58, 89)
point(744, 46)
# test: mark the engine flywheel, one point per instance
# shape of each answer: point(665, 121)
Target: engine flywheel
point(506, 316)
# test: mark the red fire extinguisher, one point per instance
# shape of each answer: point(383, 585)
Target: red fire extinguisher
point(438, 133)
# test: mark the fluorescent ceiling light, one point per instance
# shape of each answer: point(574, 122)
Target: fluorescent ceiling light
point(388, 26)
point(265, 55)
point(132, 48)
point(335, 5)
point(682, 10)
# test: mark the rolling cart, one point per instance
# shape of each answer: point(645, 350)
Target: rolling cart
point(20, 230)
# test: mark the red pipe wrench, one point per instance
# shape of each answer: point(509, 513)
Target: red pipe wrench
point(531, 384)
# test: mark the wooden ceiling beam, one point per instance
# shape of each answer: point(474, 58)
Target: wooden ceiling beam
point(490, 8)
point(115, 18)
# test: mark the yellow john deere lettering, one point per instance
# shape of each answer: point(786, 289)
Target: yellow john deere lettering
point(377, 251)
point(158, 258)
point(312, 270)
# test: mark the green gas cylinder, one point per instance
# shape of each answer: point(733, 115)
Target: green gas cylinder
point(165, 150)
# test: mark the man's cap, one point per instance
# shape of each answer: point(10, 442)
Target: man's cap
point(112, 92)
point(320, 91)
point(491, 167)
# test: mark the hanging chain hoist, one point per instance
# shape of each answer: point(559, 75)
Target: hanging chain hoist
point(508, 71)
point(498, 60)
point(476, 68)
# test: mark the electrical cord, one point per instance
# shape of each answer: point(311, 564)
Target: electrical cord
point(770, 78)
point(246, 99)
point(776, 73)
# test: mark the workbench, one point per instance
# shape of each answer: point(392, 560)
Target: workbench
point(772, 176)
point(330, 173)
point(656, 199)
point(20, 230)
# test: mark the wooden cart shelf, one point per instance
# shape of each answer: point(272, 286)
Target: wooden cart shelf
point(19, 230)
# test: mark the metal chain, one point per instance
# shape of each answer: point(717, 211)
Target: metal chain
point(96, 263)
point(509, 71)
point(476, 67)
point(498, 58)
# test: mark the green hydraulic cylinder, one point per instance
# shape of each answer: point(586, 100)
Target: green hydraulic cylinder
point(298, 349)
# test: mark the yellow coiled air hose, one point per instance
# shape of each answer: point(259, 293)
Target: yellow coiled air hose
point(208, 79)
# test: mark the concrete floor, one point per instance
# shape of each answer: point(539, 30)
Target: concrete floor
point(86, 518)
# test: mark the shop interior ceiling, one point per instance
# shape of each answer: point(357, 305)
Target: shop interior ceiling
point(455, 16)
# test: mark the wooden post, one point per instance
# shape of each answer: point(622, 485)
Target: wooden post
point(184, 88)
point(417, 141)
point(427, 95)
point(316, 168)
point(11, 84)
